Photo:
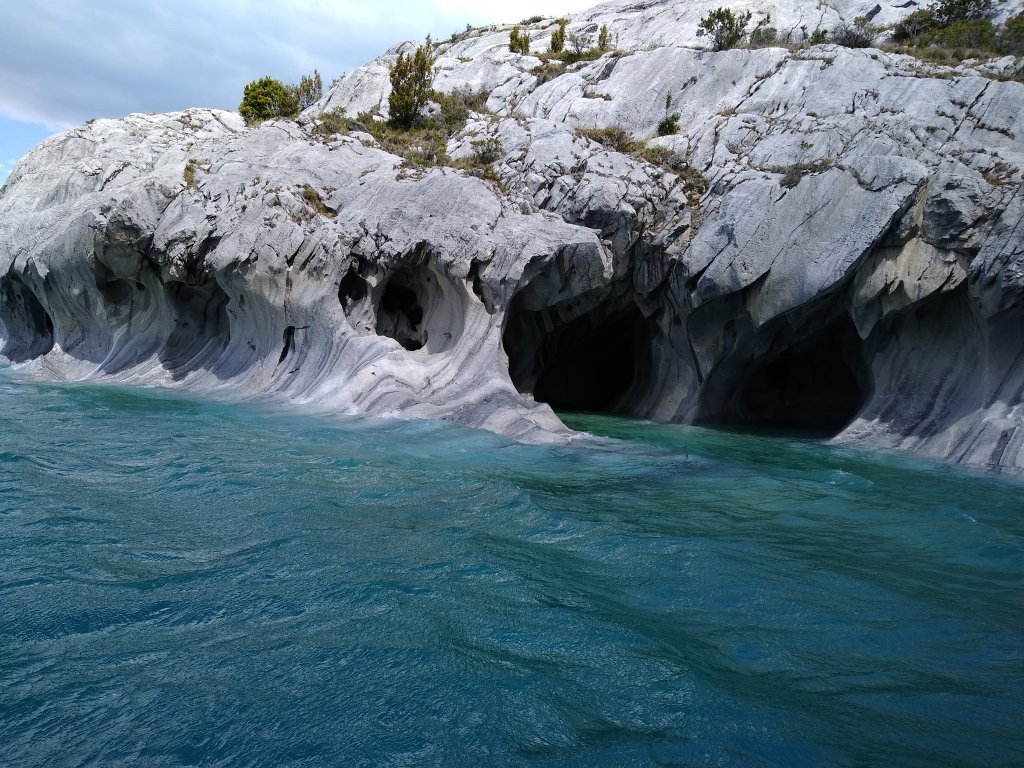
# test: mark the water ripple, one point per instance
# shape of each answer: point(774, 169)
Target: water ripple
point(186, 583)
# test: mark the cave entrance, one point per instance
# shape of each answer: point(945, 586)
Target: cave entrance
point(201, 331)
point(400, 315)
point(26, 329)
point(587, 363)
point(817, 386)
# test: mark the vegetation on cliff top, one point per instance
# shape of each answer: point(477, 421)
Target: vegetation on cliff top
point(267, 98)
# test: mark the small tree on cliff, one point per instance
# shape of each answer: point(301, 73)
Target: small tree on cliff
point(309, 90)
point(267, 98)
point(519, 42)
point(412, 82)
point(604, 38)
point(558, 37)
point(724, 27)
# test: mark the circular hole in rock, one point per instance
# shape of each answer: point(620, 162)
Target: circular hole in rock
point(420, 308)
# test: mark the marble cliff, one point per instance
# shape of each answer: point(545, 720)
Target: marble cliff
point(833, 240)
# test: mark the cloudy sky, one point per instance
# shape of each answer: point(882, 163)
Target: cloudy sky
point(63, 62)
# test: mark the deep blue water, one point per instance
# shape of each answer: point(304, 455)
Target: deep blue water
point(189, 583)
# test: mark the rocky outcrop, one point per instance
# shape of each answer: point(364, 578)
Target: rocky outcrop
point(833, 240)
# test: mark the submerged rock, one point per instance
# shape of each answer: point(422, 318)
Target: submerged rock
point(833, 240)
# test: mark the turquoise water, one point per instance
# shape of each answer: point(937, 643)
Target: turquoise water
point(196, 584)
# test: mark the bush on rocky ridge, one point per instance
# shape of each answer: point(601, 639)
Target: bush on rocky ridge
point(670, 125)
point(954, 30)
point(613, 137)
point(558, 37)
point(1012, 37)
point(412, 82)
point(268, 98)
point(330, 124)
point(725, 28)
point(309, 90)
point(764, 36)
point(424, 143)
point(519, 42)
point(856, 35)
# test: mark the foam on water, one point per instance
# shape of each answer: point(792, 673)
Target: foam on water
point(192, 583)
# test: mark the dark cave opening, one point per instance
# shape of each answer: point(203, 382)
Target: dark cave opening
point(112, 288)
point(352, 289)
point(287, 343)
point(25, 326)
point(586, 363)
point(201, 329)
point(816, 386)
point(400, 314)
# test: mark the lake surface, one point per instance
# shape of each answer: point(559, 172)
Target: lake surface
point(188, 583)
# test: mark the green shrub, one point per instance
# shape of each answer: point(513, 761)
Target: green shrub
point(267, 98)
point(412, 82)
point(669, 126)
point(480, 164)
point(573, 55)
point(979, 34)
point(1011, 39)
point(458, 37)
point(189, 174)
point(954, 30)
point(951, 11)
point(330, 124)
point(532, 20)
point(558, 37)
point(764, 37)
point(949, 24)
point(487, 151)
point(580, 45)
point(724, 27)
point(454, 108)
point(309, 90)
point(425, 142)
point(519, 42)
point(604, 39)
point(312, 198)
point(818, 37)
point(856, 35)
point(914, 25)
point(548, 70)
point(613, 137)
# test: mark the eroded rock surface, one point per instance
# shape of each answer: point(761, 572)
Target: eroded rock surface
point(833, 240)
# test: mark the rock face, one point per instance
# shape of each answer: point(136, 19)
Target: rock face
point(833, 240)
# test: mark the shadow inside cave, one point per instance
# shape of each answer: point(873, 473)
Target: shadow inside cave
point(587, 363)
point(599, 361)
point(814, 387)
